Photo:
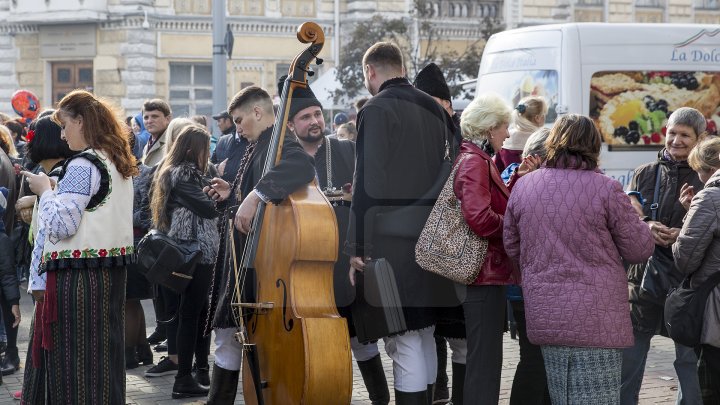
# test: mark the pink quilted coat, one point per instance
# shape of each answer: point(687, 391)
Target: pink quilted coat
point(569, 231)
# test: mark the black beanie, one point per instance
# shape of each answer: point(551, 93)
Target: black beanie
point(302, 98)
point(431, 80)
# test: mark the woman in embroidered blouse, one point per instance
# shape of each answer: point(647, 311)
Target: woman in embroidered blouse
point(83, 304)
point(46, 147)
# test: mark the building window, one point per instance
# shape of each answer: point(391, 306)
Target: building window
point(648, 3)
point(708, 4)
point(191, 89)
point(594, 3)
point(68, 76)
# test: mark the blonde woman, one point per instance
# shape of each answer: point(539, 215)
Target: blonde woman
point(527, 117)
point(173, 131)
point(7, 144)
point(483, 197)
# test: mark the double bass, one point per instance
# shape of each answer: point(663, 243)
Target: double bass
point(296, 346)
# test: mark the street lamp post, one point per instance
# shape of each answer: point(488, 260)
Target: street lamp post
point(219, 67)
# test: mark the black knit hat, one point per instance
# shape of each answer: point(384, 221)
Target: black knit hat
point(431, 80)
point(302, 98)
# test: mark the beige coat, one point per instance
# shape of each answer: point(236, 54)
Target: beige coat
point(697, 251)
point(154, 155)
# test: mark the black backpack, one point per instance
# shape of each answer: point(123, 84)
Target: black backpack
point(685, 310)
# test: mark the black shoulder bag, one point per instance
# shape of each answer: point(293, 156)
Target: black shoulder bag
point(685, 310)
point(168, 261)
point(660, 273)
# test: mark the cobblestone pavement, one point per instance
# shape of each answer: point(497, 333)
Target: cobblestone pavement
point(659, 385)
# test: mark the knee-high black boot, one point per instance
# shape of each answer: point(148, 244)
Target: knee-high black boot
point(441, 395)
point(430, 395)
point(223, 386)
point(411, 398)
point(374, 377)
point(458, 383)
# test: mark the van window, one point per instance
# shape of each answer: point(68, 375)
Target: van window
point(514, 85)
point(631, 107)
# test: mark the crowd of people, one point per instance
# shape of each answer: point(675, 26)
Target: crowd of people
point(564, 242)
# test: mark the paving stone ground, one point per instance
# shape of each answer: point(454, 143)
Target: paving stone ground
point(659, 385)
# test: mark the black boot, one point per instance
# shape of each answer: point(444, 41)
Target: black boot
point(157, 336)
point(223, 386)
point(202, 375)
point(144, 354)
point(131, 360)
point(186, 387)
point(458, 383)
point(10, 361)
point(441, 394)
point(374, 377)
point(430, 389)
point(411, 398)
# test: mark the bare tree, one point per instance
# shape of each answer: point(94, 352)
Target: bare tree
point(420, 40)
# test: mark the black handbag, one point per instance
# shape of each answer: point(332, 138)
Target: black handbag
point(685, 310)
point(168, 261)
point(660, 274)
point(377, 310)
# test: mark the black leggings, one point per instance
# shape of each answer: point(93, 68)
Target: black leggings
point(185, 331)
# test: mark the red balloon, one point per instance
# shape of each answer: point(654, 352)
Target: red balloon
point(25, 104)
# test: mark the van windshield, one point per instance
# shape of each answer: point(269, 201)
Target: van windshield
point(514, 85)
point(631, 108)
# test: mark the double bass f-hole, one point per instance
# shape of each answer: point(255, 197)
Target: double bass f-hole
point(287, 323)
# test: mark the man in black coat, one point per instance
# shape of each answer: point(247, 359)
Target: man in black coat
point(230, 148)
point(400, 149)
point(451, 321)
point(335, 165)
point(252, 112)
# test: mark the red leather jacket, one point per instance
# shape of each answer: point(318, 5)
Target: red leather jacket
point(483, 198)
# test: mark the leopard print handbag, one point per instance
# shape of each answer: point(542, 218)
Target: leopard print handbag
point(447, 246)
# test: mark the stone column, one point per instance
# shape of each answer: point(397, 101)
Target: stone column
point(140, 54)
point(8, 78)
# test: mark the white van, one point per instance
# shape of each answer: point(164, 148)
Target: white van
point(628, 77)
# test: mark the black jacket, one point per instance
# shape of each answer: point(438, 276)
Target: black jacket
point(647, 316)
point(400, 148)
point(8, 275)
point(294, 170)
point(232, 149)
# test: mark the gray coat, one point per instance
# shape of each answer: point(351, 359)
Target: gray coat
point(697, 251)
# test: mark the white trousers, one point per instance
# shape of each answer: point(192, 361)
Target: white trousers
point(228, 351)
point(414, 359)
point(363, 352)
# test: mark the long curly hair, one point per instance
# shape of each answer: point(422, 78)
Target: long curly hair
point(102, 128)
point(192, 146)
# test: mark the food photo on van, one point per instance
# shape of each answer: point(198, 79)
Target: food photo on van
point(628, 78)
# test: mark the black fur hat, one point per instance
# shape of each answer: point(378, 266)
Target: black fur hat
point(302, 98)
point(431, 80)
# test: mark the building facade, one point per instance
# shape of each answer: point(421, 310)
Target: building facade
point(132, 50)
point(521, 13)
